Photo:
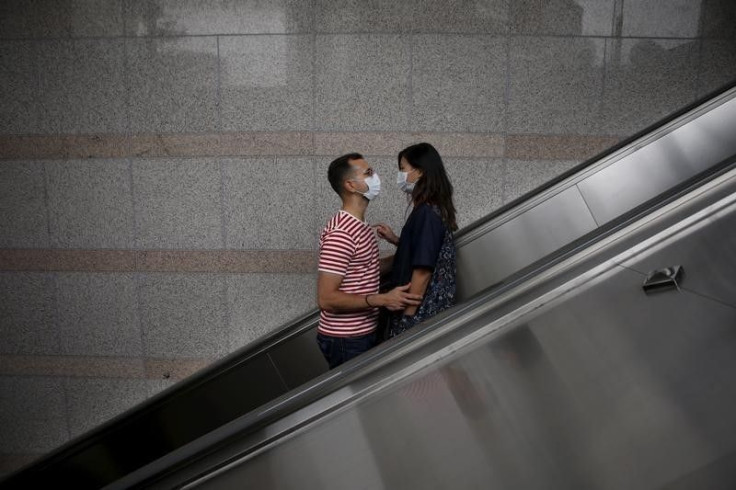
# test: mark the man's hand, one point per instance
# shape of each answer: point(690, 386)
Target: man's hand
point(384, 231)
point(399, 298)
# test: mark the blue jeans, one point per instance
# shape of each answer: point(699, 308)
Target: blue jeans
point(341, 349)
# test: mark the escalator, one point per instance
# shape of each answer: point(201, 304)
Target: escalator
point(214, 417)
point(581, 379)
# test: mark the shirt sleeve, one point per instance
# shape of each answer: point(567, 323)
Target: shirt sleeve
point(335, 252)
point(427, 238)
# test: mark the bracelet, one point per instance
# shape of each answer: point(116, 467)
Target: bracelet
point(366, 300)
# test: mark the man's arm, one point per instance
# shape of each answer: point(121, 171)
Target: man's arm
point(330, 298)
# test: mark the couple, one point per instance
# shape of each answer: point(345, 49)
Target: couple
point(422, 270)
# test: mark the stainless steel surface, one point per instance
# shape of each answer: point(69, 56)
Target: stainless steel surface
point(654, 168)
point(718, 280)
point(595, 385)
point(521, 241)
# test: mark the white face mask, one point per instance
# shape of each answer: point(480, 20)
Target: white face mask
point(374, 187)
point(405, 186)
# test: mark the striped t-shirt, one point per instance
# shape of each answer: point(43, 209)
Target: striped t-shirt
point(348, 247)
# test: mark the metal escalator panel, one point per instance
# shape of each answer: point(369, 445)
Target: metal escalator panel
point(593, 384)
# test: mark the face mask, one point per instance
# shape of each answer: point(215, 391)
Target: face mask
point(405, 186)
point(374, 187)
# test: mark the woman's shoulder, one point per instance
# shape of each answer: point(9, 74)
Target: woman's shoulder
point(426, 215)
point(427, 211)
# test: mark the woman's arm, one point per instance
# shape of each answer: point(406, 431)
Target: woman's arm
point(420, 278)
point(384, 231)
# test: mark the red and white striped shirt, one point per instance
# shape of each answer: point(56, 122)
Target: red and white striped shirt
point(348, 247)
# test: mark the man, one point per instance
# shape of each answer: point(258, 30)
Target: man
point(349, 270)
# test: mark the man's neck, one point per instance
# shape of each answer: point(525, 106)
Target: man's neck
point(355, 204)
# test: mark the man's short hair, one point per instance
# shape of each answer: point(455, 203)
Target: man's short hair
point(340, 170)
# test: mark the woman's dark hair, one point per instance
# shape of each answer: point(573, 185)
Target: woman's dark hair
point(340, 170)
point(433, 187)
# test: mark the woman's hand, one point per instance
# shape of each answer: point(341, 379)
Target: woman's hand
point(384, 231)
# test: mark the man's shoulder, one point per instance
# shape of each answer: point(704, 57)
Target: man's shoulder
point(344, 223)
point(336, 222)
point(337, 228)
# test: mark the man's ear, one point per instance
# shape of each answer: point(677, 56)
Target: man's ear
point(348, 186)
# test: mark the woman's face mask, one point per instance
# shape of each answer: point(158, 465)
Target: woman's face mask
point(405, 186)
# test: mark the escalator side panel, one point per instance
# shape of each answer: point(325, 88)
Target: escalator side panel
point(652, 169)
point(718, 475)
point(298, 360)
point(522, 241)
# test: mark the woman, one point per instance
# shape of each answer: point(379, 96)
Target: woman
point(425, 254)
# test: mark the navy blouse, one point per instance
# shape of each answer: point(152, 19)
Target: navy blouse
point(425, 242)
point(419, 244)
